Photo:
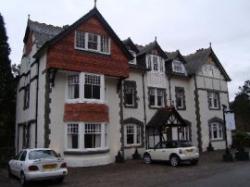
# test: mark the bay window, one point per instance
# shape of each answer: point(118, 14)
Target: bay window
point(156, 97)
point(85, 87)
point(92, 86)
point(73, 86)
point(72, 136)
point(86, 136)
point(155, 63)
point(92, 42)
point(132, 135)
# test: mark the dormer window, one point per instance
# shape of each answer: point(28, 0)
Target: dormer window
point(134, 59)
point(155, 63)
point(178, 67)
point(92, 42)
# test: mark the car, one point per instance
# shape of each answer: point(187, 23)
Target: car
point(37, 164)
point(173, 151)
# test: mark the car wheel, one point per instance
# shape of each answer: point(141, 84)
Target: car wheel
point(10, 175)
point(23, 179)
point(174, 160)
point(60, 180)
point(194, 162)
point(147, 159)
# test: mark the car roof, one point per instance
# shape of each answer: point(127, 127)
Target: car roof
point(35, 149)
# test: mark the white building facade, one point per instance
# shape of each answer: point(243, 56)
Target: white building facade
point(88, 95)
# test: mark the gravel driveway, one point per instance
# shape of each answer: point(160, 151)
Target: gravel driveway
point(136, 173)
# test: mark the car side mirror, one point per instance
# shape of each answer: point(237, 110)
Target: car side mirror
point(59, 155)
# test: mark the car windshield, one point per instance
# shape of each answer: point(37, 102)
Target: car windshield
point(42, 154)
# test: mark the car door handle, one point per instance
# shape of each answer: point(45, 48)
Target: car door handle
point(163, 151)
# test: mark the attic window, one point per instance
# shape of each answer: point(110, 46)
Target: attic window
point(155, 63)
point(134, 55)
point(92, 42)
point(178, 67)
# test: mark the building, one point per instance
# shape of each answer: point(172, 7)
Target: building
point(88, 95)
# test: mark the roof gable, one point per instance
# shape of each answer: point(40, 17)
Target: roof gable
point(130, 45)
point(201, 57)
point(151, 47)
point(92, 13)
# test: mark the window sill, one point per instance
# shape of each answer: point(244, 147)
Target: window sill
point(133, 146)
point(156, 107)
point(181, 108)
point(130, 106)
point(86, 152)
point(214, 108)
point(92, 51)
point(72, 101)
point(217, 140)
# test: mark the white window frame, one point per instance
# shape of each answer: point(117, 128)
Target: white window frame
point(134, 59)
point(135, 134)
point(155, 90)
point(219, 128)
point(98, 50)
point(180, 64)
point(160, 64)
point(211, 96)
point(81, 98)
point(81, 134)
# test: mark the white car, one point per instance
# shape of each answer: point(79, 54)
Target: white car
point(172, 151)
point(37, 164)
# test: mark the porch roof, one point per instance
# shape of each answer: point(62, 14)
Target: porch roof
point(167, 116)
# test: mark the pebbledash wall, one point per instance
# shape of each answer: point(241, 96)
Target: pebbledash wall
point(45, 67)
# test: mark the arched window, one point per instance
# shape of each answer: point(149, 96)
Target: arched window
point(216, 129)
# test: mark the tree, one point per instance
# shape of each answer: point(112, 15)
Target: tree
point(241, 107)
point(7, 95)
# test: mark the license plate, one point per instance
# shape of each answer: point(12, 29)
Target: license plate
point(49, 166)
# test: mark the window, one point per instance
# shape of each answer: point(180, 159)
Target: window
point(134, 59)
point(26, 97)
point(92, 86)
point(178, 67)
point(87, 136)
point(72, 136)
point(213, 100)
point(73, 86)
point(105, 44)
point(92, 137)
point(132, 135)
point(80, 40)
point(23, 156)
point(92, 42)
point(155, 63)
point(180, 98)
point(156, 97)
point(130, 93)
point(216, 131)
point(85, 87)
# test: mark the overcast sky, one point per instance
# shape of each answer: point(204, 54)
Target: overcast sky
point(186, 25)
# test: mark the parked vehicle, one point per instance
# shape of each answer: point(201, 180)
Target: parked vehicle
point(37, 164)
point(172, 151)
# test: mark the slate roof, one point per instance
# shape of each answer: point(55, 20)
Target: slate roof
point(161, 117)
point(130, 45)
point(42, 32)
point(151, 46)
point(200, 57)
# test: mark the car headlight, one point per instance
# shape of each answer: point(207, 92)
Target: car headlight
point(181, 151)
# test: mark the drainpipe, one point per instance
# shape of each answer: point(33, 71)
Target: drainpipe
point(144, 108)
point(37, 88)
point(121, 117)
